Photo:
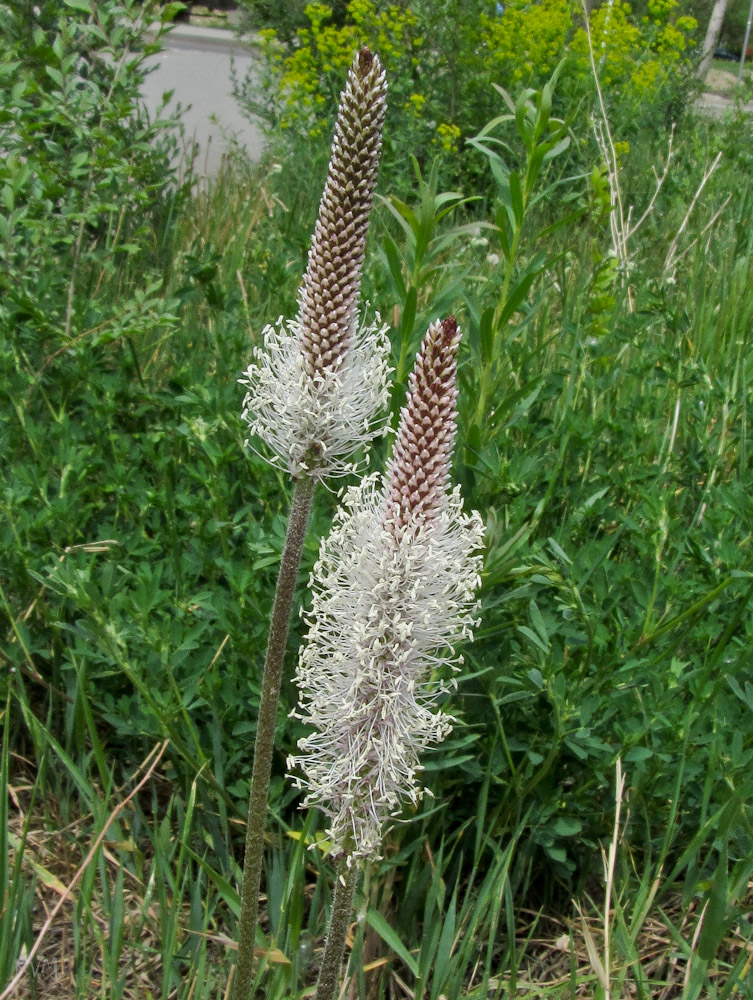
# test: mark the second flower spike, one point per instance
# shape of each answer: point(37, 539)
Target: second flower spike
point(393, 594)
point(318, 383)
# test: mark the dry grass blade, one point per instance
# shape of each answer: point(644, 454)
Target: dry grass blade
point(670, 258)
point(152, 759)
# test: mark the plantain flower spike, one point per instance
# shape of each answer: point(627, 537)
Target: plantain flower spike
point(393, 595)
point(318, 383)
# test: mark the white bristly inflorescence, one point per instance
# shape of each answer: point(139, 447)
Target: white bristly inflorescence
point(393, 596)
point(318, 383)
point(315, 425)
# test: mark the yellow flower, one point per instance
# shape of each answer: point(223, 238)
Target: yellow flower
point(447, 137)
point(621, 149)
point(415, 103)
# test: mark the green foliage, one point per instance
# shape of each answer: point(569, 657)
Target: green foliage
point(286, 20)
point(81, 180)
point(444, 59)
point(604, 434)
point(302, 83)
point(643, 66)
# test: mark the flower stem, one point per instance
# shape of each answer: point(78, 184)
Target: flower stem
point(342, 906)
point(265, 733)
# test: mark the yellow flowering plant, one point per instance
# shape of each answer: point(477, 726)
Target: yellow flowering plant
point(303, 82)
point(642, 61)
point(446, 58)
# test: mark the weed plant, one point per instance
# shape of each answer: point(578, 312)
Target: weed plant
point(611, 460)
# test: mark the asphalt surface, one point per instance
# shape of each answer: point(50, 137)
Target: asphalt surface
point(196, 63)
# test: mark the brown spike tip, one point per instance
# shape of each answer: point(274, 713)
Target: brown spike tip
point(365, 61)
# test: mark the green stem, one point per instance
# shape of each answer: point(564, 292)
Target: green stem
point(342, 907)
point(265, 734)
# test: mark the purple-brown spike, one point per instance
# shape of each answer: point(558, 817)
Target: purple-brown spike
point(328, 298)
point(419, 470)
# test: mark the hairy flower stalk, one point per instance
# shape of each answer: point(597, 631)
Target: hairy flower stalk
point(314, 391)
point(318, 382)
point(393, 595)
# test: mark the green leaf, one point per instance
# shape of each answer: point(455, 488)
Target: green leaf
point(557, 854)
point(535, 676)
point(500, 173)
point(486, 334)
point(746, 696)
point(408, 318)
point(83, 5)
point(55, 75)
point(535, 639)
point(405, 216)
point(392, 256)
point(714, 923)
point(516, 198)
point(555, 150)
point(473, 438)
point(567, 827)
point(387, 934)
point(537, 621)
point(518, 294)
point(170, 10)
point(502, 228)
point(545, 109)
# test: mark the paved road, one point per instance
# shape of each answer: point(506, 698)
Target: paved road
point(196, 64)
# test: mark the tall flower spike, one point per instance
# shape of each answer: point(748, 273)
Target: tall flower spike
point(329, 295)
point(318, 382)
point(393, 594)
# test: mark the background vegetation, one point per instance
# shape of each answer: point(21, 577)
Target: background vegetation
point(602, 275)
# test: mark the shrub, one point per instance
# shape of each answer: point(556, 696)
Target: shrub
point(87, 186)
point(443, 58)
point(643, 66)
point(83, 178)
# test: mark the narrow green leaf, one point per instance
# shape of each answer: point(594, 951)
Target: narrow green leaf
point(392, 256)
point(714, 922)
point(516, 296)
point(554, 151)
point(408, 318)
point(486, 334)
point(516, 197)
point(538, 623)
point(535, 639)
point(390, 938)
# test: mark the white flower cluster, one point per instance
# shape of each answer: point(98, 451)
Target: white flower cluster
point(314, 425)
point(388, 610)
